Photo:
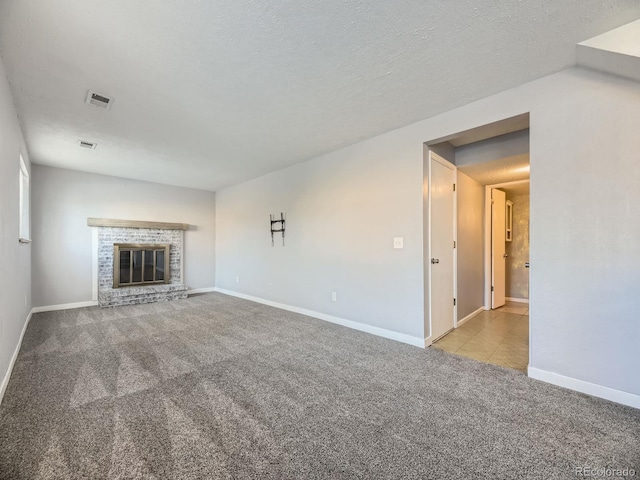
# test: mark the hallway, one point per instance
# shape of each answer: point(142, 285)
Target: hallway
point(499, 337)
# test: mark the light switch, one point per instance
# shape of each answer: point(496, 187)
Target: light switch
point(398, 242)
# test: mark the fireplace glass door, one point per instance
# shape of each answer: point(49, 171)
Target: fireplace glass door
point(135, 264)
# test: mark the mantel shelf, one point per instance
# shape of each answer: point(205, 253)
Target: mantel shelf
point(110, 222)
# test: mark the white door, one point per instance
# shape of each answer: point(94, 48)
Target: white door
point(442, 235)
point(498, 252)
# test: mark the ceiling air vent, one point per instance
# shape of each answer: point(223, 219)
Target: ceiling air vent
point(98, 100)
point(89, 145)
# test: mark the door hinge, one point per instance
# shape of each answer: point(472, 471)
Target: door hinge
point(492, 288)
point(454, 302)
point(454, 187)
point(454, 244)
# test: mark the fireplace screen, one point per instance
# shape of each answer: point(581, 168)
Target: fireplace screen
point(135, 264)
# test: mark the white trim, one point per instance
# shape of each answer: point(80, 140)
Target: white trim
point(427, 261)
point(64, 306)
point(380, 332)
point(618, 396)
point(470, 316)
point(201, 290)
point(517, 300)
point(488, 271)
point(427, 342)
point(7, 376)
point(455, 249)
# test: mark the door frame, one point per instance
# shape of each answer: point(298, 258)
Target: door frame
point(487, 237)
point(438, 158)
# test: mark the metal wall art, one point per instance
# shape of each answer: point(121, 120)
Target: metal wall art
point(275, 224)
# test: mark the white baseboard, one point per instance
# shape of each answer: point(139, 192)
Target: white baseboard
point(517, 300)
point(596, 390)
point(93, 303)
point(201, 290)
point(381, 332)
point(64, 306)
point(469, 317)
point(7, 375)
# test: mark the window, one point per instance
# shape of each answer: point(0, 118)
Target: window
point(24, 233)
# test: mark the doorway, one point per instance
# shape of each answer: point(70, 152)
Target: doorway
point(506, 254)
point(489, 156)
point(497, 214)
point(499, 334)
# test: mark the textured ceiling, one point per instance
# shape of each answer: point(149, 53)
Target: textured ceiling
point(208, 94)
point(496, 159)
point(506, 169)
point(519, 189)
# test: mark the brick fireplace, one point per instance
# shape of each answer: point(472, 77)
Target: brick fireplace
point(121, 276)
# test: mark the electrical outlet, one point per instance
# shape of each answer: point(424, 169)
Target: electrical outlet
point(334, 296)
point(237, 279)
point(398, 242)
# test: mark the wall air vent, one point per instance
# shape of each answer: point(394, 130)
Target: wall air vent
point(98, 100)
point(89, 145)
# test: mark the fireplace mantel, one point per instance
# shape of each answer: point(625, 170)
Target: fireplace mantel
point(109, 222)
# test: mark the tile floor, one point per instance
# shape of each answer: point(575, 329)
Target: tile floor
point(499, 337)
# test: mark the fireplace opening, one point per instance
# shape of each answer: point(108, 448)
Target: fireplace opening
point(136, 264)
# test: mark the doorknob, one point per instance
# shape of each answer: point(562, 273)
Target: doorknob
point(435, 260)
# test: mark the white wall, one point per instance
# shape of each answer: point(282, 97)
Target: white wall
point(62, 242)
point(470, 245)
point(344, 208)
point(15, 258)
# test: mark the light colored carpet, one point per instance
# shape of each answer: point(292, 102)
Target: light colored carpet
point(218, 387)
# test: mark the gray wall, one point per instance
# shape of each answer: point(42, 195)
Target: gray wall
point(445, 150)
point(62, 247)
point(517, 276)
point(470, 245)
point(15, 258)
point(344, 208)
point(585, 254)
point(342, 215)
